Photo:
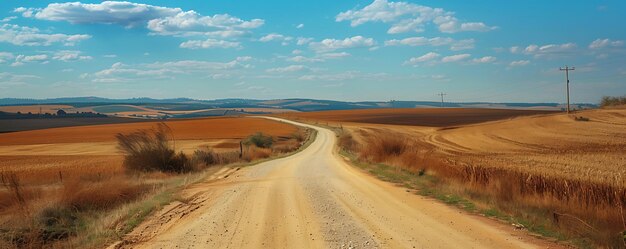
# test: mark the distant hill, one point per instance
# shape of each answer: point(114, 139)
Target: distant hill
point(305, 105)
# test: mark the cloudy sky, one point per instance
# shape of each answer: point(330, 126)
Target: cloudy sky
point(495, 51)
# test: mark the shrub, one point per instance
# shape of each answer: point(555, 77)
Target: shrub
point(260, 140)
point(150, 150)
point(299, 136)
point(612, 101)
point(346, 141)
point(255, 153)
point(206, 157)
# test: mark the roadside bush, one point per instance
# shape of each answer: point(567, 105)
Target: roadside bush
point(299, 136)
point(260, 140)
point(346, 141)
point(206, 157)
point(255, 153)
point(612, 101)
point(380, 148)
point(151, 150)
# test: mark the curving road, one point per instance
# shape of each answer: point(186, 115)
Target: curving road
point(313, 199)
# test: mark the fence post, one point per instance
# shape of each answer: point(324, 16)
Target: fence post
point(240, 149)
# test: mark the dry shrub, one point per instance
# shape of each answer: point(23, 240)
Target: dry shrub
point(255, 153)
point(286, 146)
point(347, 142)
point(80, 195)
point(300, 135)
point(152, 150)
point(260, 140)
point(608, 101)
point(208, 157)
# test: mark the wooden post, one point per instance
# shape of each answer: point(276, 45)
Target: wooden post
point(240, 149)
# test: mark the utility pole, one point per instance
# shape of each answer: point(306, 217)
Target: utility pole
point(567, 69)
point(442, 94)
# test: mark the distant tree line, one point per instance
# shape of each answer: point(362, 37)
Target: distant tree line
point(58, 114)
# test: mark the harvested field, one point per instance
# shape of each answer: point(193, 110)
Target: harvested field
point(93, 149)
point(434, 117)
point(13, 125)
point(193, 129)
point(569, 168)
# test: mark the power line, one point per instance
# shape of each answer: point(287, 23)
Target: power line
point(442, 94)
point(567, 69)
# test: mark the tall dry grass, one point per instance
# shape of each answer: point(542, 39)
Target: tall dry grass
point(574, 206)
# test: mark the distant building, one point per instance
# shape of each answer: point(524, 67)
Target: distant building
point(61, 112)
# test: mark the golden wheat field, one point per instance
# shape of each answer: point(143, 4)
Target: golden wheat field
point(561, 171)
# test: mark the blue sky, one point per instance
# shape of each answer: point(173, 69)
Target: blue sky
point(494, 51)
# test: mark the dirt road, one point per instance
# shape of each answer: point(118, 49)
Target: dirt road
point(313, 199)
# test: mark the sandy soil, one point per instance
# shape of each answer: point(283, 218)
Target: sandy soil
point(313, 199)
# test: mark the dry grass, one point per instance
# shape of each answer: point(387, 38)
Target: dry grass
point(577, 207)
point(83, 195)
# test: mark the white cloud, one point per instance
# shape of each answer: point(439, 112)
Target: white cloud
point(303, 41)
point(8, 18)
point(300, 58)
point(603, 43)
point(486, 59)
point(455, 58)
point(455, 45)
point(519, 63)
point(276, 37)
point(119, 72)
point(23, 59)
point(159, 20)
point(192, 23)
point(110, 56)
point(424, 58)
point(287, 69)
point(328, 45)
point(333, 55)
point(408, 17)
point(68, 55)
point(209, 43)
point(549, 50)
point(108, 12)
point(27, 36)
point(301, 25)
point(349, 75)
point(319, 57)
point(6, 56)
